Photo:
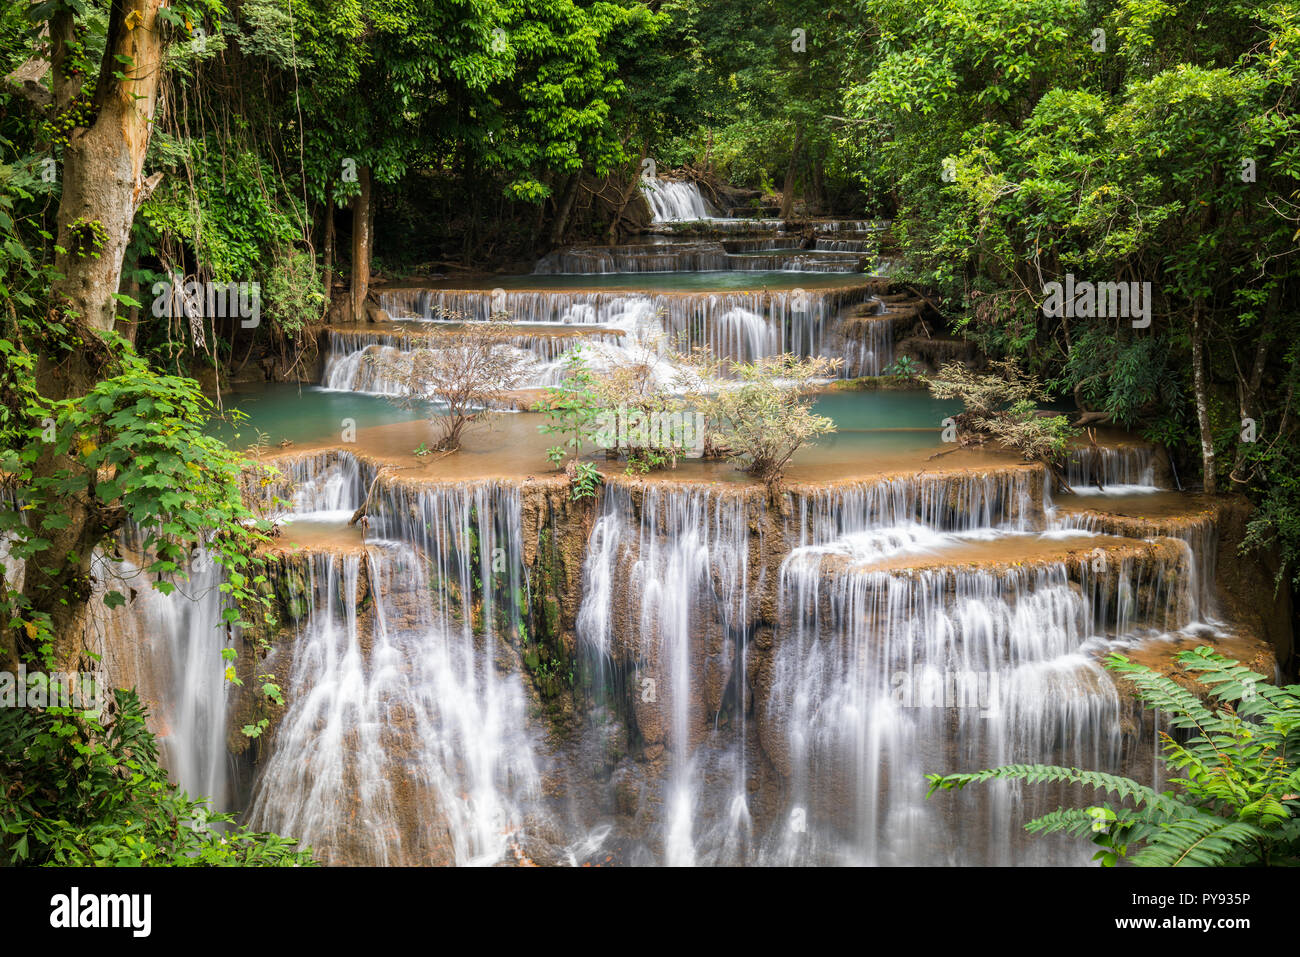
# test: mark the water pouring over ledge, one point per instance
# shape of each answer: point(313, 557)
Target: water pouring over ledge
point(753, 682)
point(772, 683)
point(406, 739)
point(672, 201)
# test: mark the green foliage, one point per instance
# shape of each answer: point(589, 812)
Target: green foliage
point(78, 790)
point(222, 203)
point(642, 417)
point(1018, 154)
point(767, 418)
point(1132, 378)
point(571, 409)
point(905, 367)
point(1236, 785)
point(586, 481)
point(1003, 405)
point(134, 449)
point(293, 292)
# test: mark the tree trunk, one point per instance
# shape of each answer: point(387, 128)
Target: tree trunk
point(1248, 390)
point(328, 272)
point(103, 165)
point(565, 209)
point(628, 191)
point(787, 194)
point(103, 187)
point(1200, 384)
point(361, 242)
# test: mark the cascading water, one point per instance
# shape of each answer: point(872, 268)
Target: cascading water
point(874, 677)
point(739, 325)
point(1112, 471)
point(767, 679)
point(656, 257)
point(698, 257)
point(784, 687)
point(169, 647)
point(380, 364)
point(680, 617)
point(880, 678)
point(672, 201)
point(406, 738)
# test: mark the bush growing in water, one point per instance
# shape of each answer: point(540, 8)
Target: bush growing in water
point(1003, 405)
point(768, 417)
point(615, 409)
point(466, 375)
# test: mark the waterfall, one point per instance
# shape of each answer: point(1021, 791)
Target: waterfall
point(879, 678)
point(325, 486)
point(966, 502)
point(169, 647)
point(739, 325)
point(850, 225)
point(846, 245)
point(669, 590)
point(762, 681)
point(656, 257)
point(671, 201)
point(696, 257)
point(406, 738)
point(870, 677)
point(1112, 471)
point(379, 364)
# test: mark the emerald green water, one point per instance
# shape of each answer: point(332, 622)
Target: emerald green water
point(281, 411)
point(873, 411)
point(303, 414)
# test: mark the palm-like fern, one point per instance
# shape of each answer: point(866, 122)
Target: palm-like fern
point(1236, 799)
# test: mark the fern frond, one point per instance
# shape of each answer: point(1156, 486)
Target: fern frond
point(1075, 821)
point(1232, 681)
point(1122, 787)
point(1184, 709)
point(1204, 840)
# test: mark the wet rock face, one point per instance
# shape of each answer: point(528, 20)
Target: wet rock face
point(708, 673)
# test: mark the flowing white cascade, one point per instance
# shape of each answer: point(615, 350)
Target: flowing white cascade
point(846, 245)
point(732, 227)
point(673, 202)
point(880, 678)
point(849, 225)
point(1111, 471)
point(956, 502)
point(169, 648)
point(327, 486)
point(407, 737)
point(651, 257)
point(681, 574)
point(380, 364)
point(876, 676)
point(739, 325)
point(695, 257)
